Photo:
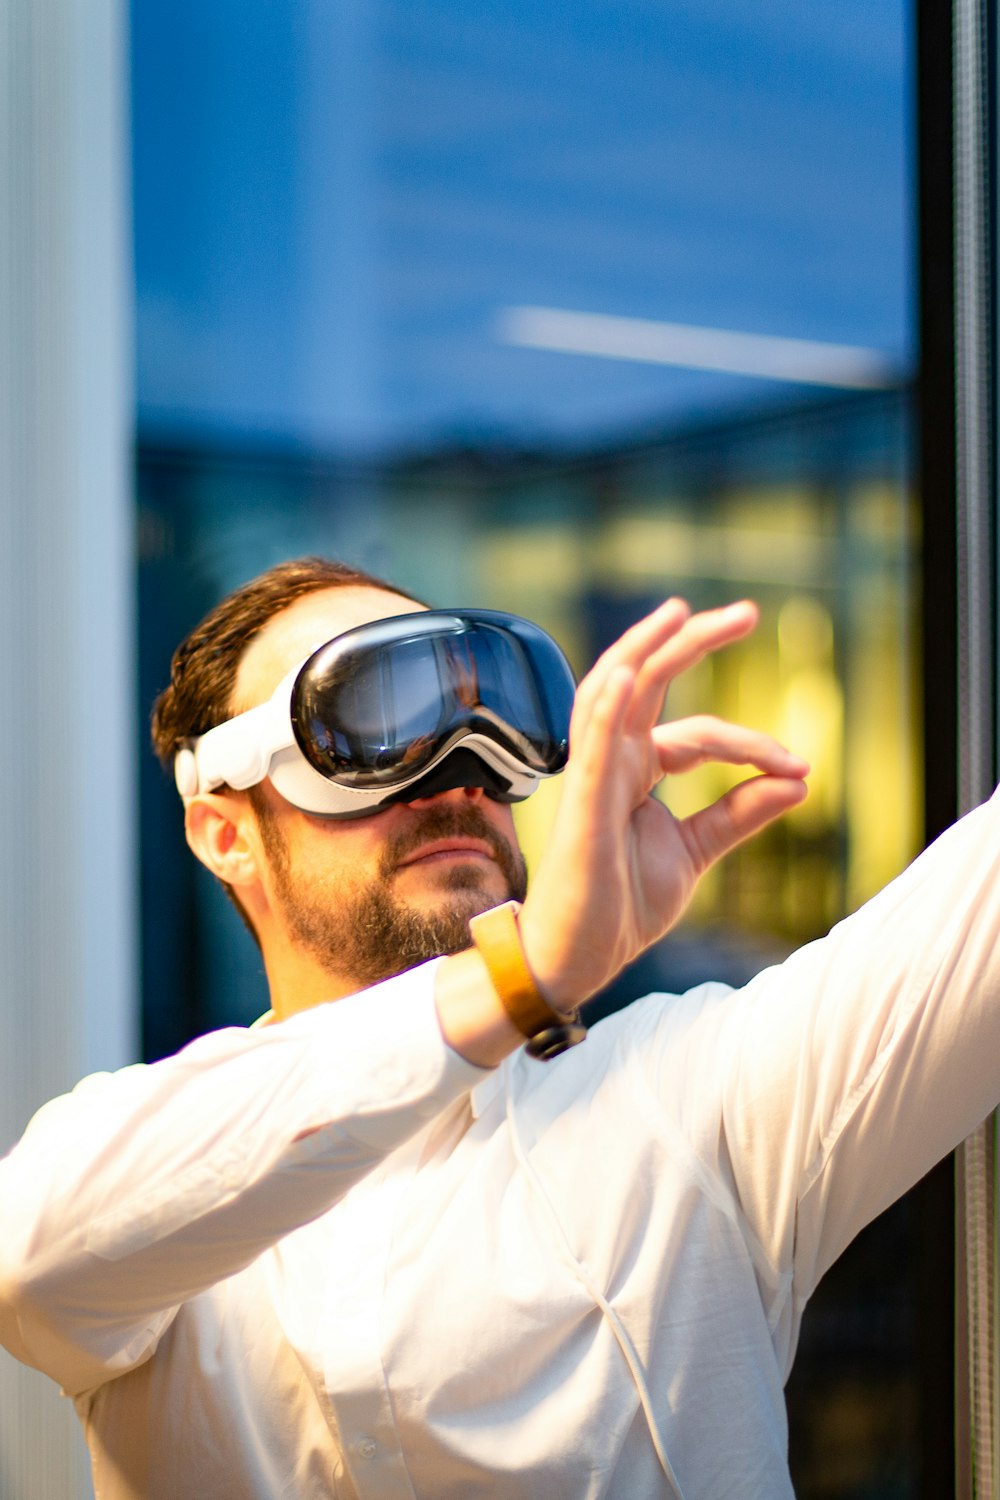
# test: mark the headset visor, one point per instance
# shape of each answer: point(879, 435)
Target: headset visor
point(375, 706)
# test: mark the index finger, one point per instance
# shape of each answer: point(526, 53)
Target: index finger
point(700, 634)
point(631, 650)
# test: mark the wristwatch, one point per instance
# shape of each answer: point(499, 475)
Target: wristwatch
point(495, 934)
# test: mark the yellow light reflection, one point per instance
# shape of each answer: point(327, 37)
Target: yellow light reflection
point(828, 672)
point(811, 713)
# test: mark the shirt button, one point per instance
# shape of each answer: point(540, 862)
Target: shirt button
point(367, 1447)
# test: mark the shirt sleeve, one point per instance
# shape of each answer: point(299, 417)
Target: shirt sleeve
point(830, 1084)
point(142, 1188)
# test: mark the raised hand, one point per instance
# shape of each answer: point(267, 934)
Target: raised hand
point(619, 868)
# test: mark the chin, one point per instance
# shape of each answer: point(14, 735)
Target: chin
point(462, 892)
point(469, 878)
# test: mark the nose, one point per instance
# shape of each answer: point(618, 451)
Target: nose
point(458, 796)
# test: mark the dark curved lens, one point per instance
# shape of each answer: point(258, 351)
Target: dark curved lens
point(380, 703)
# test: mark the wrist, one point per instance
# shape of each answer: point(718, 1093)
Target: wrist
point(473, 1021)
point(547, 1030)
point(555, 986)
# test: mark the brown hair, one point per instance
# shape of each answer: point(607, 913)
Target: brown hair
point(204, 667)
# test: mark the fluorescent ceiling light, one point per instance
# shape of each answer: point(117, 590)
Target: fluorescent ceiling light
point(803, 361)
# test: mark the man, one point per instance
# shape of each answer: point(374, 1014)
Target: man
point(374, 1248)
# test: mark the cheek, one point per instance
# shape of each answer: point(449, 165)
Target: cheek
point(501, 816)
point(335, 848)
point(504, 822)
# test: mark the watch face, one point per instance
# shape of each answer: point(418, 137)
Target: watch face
point(552, 1040)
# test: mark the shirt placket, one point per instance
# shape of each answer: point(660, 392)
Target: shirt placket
point(354, 1375)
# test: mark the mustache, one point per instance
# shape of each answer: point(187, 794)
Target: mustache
point(446, 823)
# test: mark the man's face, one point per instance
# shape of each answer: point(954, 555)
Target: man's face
point(370, 897)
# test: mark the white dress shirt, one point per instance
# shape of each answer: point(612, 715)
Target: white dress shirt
point(330, 1258)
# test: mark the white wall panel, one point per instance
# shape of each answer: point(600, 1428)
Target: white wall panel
point(67, 1002)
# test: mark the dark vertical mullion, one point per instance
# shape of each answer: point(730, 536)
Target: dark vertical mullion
point(936, 464)
point(936, 472)
point(992, 38)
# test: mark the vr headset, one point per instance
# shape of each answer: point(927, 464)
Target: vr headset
point(398, 709)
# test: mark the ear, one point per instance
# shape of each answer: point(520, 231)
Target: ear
point(221, 831)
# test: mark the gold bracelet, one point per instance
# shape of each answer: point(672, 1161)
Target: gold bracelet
point(495, 934)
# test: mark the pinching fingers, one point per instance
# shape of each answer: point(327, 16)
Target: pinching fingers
point(742, 812)
point(684, 744)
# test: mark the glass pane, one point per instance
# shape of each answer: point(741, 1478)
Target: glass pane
point(560, 310)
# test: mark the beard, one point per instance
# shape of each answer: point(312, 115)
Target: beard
point(361, 930)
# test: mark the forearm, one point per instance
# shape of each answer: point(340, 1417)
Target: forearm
point(142, 1188)
point(868, 1056)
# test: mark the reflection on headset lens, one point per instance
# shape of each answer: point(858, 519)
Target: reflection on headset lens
point(376, 706)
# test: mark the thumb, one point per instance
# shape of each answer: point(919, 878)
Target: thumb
point(738, 815)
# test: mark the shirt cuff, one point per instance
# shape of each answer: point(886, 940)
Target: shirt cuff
point(400, 1065)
